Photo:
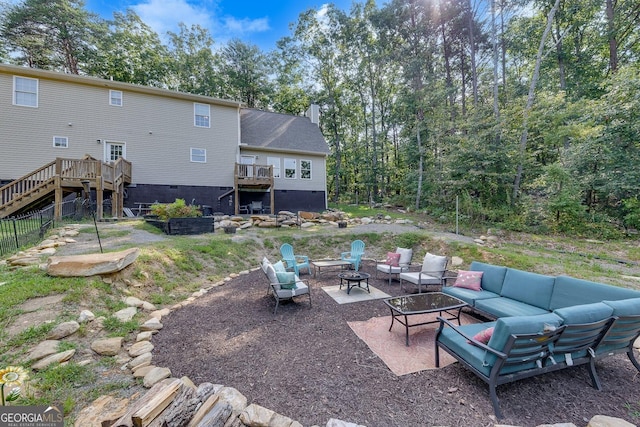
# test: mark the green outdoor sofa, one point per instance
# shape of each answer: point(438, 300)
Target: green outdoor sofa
point(543, 324)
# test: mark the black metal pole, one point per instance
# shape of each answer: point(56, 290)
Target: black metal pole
point(87, 190)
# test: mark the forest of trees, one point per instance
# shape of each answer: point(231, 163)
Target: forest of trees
point(527, 112)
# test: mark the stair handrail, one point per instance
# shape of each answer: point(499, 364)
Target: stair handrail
point(25, 183)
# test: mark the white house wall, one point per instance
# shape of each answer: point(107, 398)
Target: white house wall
point(318, 170)
point(158, 132)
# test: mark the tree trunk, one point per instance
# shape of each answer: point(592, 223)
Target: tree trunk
point(420, 159)
point(530, 99)
point(472, 50)
point(494, 37)
point(613, 41)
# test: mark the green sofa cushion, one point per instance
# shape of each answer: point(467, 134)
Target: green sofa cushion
point(627, 307)
point(585, 313)
point(569, 291)
point(507, 326)
point(531, 288)
point(577, 315)
point(458, 344)
point(506, 307)
point(493, 275)
point(467, 295)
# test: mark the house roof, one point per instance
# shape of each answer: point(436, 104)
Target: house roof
point(95, 81)
point(275, 131)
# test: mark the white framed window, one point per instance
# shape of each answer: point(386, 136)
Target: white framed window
point(25, 91)
point(114, 150)
point(61, 142)
point(305, 169)
point(290, 168)
point(115, 98)
point(275, 162)
point(198, 155)
point(201, 113)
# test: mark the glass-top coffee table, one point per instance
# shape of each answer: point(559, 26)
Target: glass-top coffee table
point(431, 302)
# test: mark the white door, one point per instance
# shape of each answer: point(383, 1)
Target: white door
point(247, 171)
point(114, 150)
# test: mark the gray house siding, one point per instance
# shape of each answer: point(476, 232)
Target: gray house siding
point(156, 128)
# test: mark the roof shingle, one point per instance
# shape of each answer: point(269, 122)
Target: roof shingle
point(278, 131)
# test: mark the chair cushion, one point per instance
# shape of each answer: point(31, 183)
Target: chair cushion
point(385, 268)
point(628, 307)
point(585, 313)
point(434, 265)
point(405, 255)
point(279, 267)
point(505, 307)
point(467, 295)
point(473, 354)
point(287, 279)
point(531, 288)
point(493, 276)
point(418, 278)
point(300, 289)
point(505, 326)
point(393, 259)
point(568, 291)
point(271, 274)
point(264, 264)
point(469, 280)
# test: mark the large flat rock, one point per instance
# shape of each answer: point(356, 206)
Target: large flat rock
point(91, 264)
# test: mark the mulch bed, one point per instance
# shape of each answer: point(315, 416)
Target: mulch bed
point(307, 364)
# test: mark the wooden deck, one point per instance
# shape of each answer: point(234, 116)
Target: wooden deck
point(64, 176)
point(253, 177)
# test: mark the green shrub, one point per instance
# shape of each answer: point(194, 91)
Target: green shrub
point(177, 209)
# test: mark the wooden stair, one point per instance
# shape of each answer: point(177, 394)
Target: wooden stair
point(62, 176)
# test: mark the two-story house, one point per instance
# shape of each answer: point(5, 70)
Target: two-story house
point(208, 151)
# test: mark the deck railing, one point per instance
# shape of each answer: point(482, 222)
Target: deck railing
point(68, 171)
point(255, 173)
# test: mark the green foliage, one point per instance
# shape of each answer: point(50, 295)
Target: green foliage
point(117, 328)
point(633, 409)
point(57, 384)
point(632, 212)
point(408, 240)
point(177, 209)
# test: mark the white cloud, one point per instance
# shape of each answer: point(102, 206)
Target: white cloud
point(165, 15)
point(246, 25)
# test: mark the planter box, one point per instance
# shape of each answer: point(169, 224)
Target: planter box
point(182, 226)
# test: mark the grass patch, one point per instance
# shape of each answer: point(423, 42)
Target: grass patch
point(57, 385)
point(117, 328)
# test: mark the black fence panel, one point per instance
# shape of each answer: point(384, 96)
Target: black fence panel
point(27, 229)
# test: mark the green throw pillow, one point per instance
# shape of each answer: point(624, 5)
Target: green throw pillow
point(287, 279)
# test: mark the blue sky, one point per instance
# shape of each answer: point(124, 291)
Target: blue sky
point(258, 22)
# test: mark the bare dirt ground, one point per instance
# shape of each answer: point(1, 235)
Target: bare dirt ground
point(306, 363)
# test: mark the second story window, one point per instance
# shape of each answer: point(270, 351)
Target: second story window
point(115, 98)
point(25, 91)
point(199, 155)
point(201, 115)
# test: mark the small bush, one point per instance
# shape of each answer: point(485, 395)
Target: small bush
point(177, 209)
